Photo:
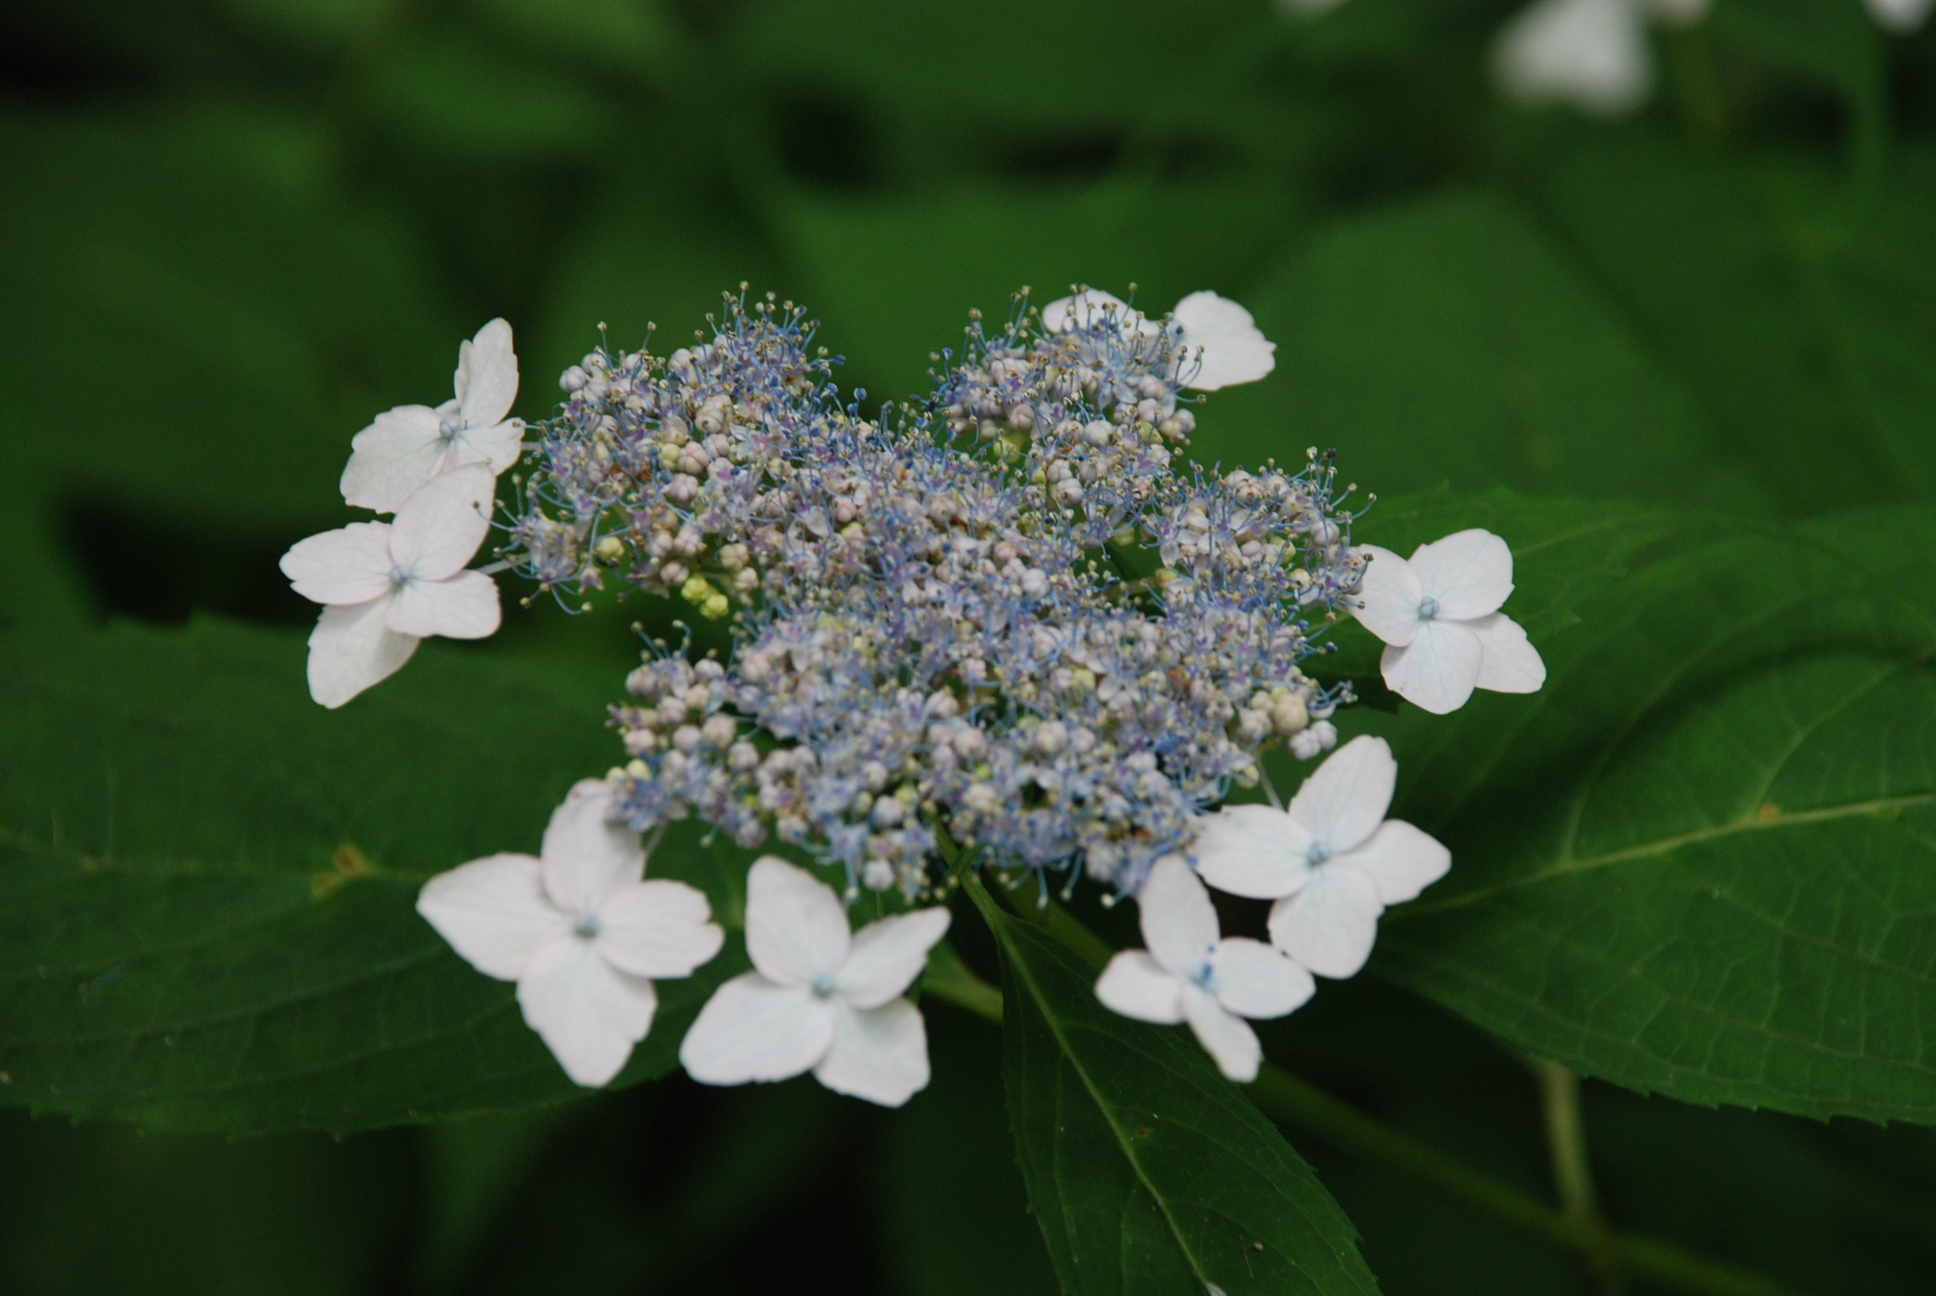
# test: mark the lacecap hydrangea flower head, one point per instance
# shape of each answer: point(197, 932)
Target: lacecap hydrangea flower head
point(1007, 628)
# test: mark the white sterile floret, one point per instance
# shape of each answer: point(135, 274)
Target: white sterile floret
point(1192, 973)
point(388, 585)
point(411, 444)
point(1900, 15)
point(1592, 54)
point(580, 929)
point(1332, 861)
point(821, 998)
point(1439, 617)
point(1222, 345)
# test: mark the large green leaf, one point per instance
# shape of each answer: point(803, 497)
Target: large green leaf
point(1702, 861)
point(926, 60)
point(1147, 1170)
point(238, 320)
point(207, 883)
point(1452, 339)
point(965, 1232)
point(1802, 318)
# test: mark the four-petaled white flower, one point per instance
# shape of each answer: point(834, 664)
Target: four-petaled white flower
point(1900, 15)
point(821, 998)
point(1192, 973)
point(1439, 616)
point(388, 585)
point(411, 444)
point(1332, 861)
point(580, 929)
point(1592, 54)
point(1222, 345)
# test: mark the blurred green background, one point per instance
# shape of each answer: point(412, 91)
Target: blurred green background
point(233, 230)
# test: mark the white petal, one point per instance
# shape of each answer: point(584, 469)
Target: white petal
point(443, 522)
point(1387, 602)
point(1345, 799)
point(348, 565)
point(586, 856)
point(494, 913)
point(880, 1054)
point(1252, 979)
point(495, 447)
point(1136, 985)
point(1226, 1037)
point(1179, 922)
point(1589, 53)
point(351, 648)
point(1206, 315)
point(1329, 926)
point(752, 1029)
point(1075, 312)
point(887, 955)
point(657, 929)
point(1438, 670)
point(796, 927)
point(1468, 573)
point(1400, 860)
point(1253, 850)
point(464, 606)
point(588, 1013)
point(1227, 362)
point(1508, 662)
point(487, 375)
point(1234, 350)
point(389, 459)
point(1900, 15)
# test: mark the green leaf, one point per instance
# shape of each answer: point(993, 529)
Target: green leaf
point(1147, 1170)
point(624, 35)
point(236, 321)
point(1451, 339)
point(456, 98)
point(926, 60)
point(1702, 860)
point(207, 882)
point(1803, 320)
point(949, 1191)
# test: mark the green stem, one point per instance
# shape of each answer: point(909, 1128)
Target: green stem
point(948, 978)
point(1291, 1101)
point(1559, 1090)
point(1299, 1104)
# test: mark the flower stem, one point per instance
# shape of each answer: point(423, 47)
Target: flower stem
point(948, 978)
point(1559, 1090)
point(1299, 1104)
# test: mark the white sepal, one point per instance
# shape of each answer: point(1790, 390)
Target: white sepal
point(821, 998)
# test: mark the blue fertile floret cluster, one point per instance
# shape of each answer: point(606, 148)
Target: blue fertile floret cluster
point(1008, 620)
